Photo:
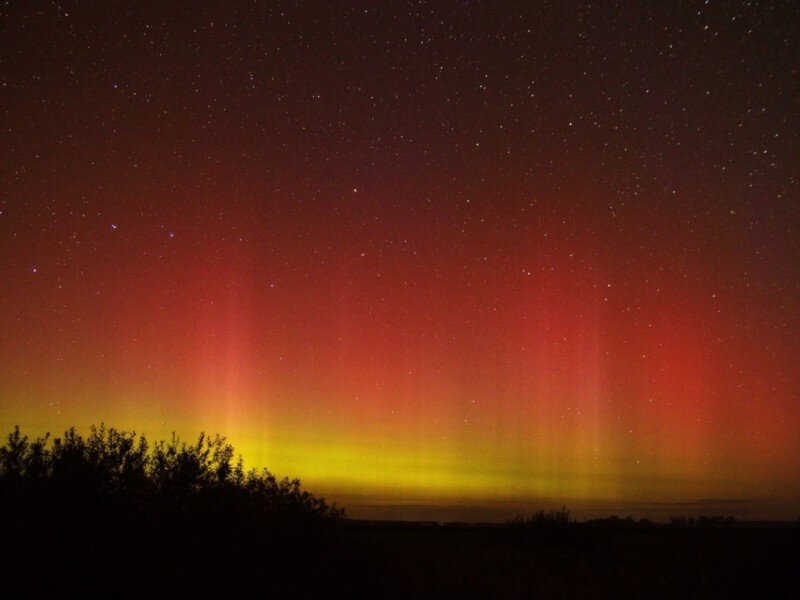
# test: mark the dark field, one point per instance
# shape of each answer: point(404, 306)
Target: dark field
point(634, 564)
point(355, 559)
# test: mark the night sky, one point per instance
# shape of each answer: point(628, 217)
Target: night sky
point(435, 259)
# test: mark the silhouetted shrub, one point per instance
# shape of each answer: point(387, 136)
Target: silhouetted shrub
point(112, 470)
point(617, 523)
point(545, 520)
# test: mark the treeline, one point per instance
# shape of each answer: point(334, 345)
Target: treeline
point(114, 471)
point(562, 519)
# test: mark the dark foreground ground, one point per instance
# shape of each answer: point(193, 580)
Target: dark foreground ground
point(356, 559)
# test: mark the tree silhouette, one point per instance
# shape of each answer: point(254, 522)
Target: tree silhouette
point(113, 470)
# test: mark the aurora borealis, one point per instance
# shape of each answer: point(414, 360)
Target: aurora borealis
point(424, 256)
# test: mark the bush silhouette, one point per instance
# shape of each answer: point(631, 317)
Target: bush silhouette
point(113, 470)
point(545, 520)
